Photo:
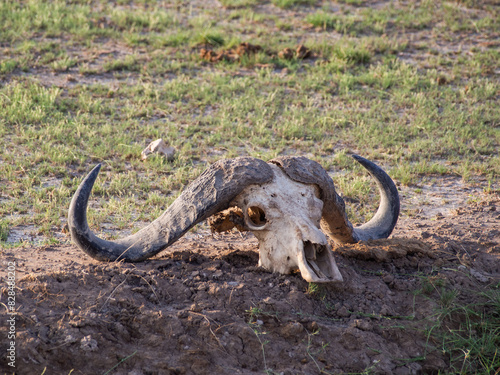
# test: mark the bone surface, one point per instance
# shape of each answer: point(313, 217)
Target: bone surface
point(285, 217)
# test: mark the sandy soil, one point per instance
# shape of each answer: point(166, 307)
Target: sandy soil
point(204, 307)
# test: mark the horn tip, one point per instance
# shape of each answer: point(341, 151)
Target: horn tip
point(358, 158)
point(371, 166)
point(94, 172)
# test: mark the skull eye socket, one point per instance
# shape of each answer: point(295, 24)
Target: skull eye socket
point(257, 216)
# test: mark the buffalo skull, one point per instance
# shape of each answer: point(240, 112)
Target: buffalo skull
point(289, 203)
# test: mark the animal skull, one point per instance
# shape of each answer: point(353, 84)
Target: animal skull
point(289, 203)
point(285, 217)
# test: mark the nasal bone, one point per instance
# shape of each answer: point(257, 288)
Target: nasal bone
point(310, 233)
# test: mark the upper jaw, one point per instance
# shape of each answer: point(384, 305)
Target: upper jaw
point(316, 263)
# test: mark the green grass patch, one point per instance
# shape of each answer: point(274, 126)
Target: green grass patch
point(285, 4)
point(232, 4)
point(469, 334)
point(87, 82)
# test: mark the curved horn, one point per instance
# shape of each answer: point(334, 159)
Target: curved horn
point(386, 217)
point(334, 221)
point(211, 192)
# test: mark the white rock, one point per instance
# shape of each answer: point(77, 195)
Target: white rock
point(158, 147)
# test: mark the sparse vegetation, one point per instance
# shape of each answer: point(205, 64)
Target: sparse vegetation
point(262, 114)
point(292, 3)
point(469, 334)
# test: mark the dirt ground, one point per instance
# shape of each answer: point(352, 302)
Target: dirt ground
point(204, 307)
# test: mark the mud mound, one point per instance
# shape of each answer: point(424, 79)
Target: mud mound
point(199, 313)
point(386, 249)
point(205, 307)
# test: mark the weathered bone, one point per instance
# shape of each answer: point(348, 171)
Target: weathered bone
point(285, 217)
point(284, 203)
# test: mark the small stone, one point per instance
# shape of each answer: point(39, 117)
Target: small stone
point(195, 273)
point(88, 344)
point(195, 307)
point(314, 326)
point(158, 147)
point(385, 310)
point(479, 276)
point(388, 278)
point(439, 262)
point(343, 312)
point(70, 339)
point(363, 325)
point(292, 329)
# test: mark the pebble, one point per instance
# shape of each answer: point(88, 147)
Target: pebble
point(388, 278)
point(343, 312)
